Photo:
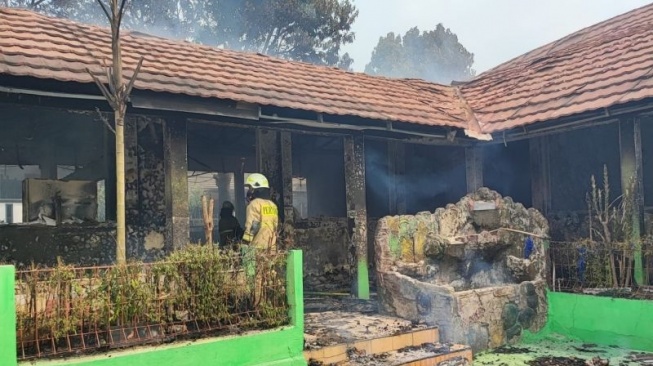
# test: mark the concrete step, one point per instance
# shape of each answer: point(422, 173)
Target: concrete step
point(416, 347)
point(427, 355)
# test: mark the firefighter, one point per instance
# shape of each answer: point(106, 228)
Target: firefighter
point(262, 215)
point(228, 227)
point(260, 237)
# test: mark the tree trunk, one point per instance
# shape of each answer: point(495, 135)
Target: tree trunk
point(121, 257)
point(120, 109)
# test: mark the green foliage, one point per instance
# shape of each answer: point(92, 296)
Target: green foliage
point(310, 31)
point(197, 283)
point(434, 55)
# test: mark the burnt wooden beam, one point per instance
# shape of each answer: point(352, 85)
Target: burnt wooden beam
point(639, 166)
point(239, 191)
point(109, 140)
point(630, 148)
point(287, 189)
point(223, 181)
point(133, 185)
point(539, 148)
point(354, 147)
point(48, 161)
point(396, 172)
point(268, 158)
point(175, 163)
point(474, 168)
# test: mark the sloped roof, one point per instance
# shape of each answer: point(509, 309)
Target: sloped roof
point(600, 66)
point(50, 48)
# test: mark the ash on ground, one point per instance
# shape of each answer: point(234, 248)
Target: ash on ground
point(317, 304)
point(405, 355)
point(336, 327)
point(558, 351)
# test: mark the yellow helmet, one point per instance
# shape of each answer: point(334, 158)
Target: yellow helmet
point(257, 180)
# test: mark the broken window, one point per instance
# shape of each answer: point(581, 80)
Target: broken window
point(219, 186)
point(9, 213)
point(319, 160)
point(11, 188)
point(300, 197)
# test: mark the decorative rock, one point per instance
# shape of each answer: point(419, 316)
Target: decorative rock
point(510, 315)
point(462, 268)
point(526, 317)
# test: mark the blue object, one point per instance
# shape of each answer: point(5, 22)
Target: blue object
point(528, 247)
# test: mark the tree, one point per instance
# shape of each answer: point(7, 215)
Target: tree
point(434, 55)
point(58, 8)
point(117, 94)
point(303, 30)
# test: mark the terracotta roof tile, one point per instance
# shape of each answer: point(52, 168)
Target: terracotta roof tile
point(600, 66)
point(597, 67)
point(50, 48)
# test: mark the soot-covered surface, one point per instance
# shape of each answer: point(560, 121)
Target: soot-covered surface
point(559, 351)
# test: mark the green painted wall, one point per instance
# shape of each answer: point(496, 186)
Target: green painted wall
point(7, 316)
point(282, 346)
point(601, 320)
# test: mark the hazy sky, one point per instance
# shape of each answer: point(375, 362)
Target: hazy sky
point(494, 30)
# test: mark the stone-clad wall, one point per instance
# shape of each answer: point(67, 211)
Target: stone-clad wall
point(328, 255)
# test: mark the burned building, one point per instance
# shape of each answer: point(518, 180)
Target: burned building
point(342, 149)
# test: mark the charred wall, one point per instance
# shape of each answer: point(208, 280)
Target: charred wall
point(647, 155)
point(320, 160)
point(323, 236)
point(506, 169)
point(94, 243)
point(435, 176)
point(577, 155)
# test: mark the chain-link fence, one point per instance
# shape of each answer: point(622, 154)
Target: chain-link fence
point(196, 292)
point(595, 268)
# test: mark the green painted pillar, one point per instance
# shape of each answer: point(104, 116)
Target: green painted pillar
point(357, 211)
point(295, 290)
point(630, 147)
point(7, 316)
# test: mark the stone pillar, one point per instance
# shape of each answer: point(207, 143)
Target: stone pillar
point(176, 183)
point(354, 147)
point(286, 181)
point(397, 174)
point(133, 208)
point(474, 168)
point(630, 148)
point(540, 177)
point(268, 159)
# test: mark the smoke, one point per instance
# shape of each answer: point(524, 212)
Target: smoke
point(432, 179)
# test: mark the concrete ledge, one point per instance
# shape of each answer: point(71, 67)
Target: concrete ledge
point(338, 352)
point(458, 352)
